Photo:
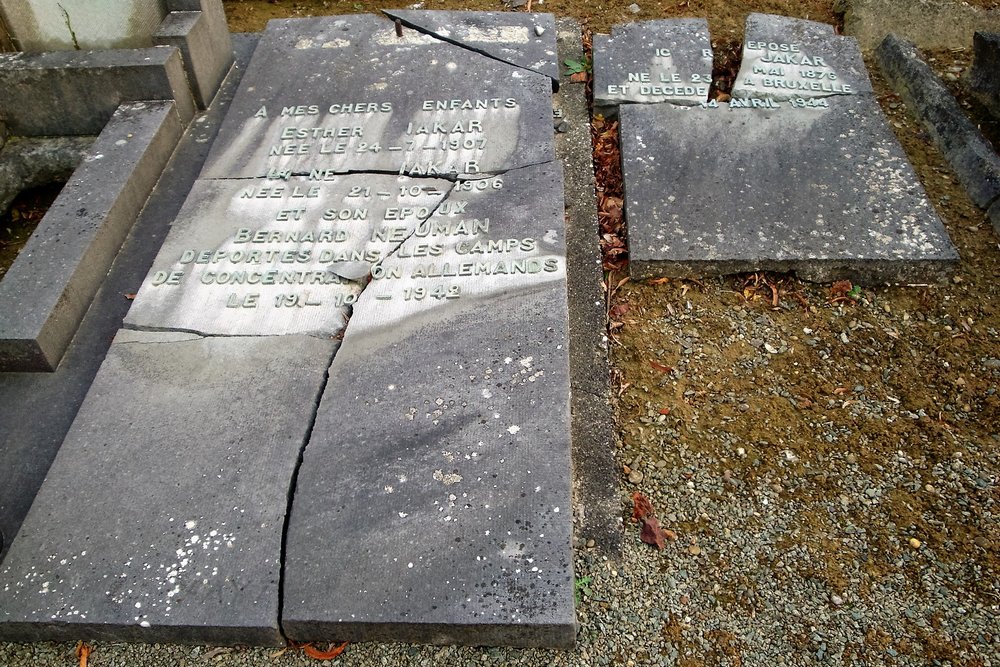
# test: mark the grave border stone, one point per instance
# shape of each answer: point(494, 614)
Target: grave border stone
point(82, 93)
point(46, 292)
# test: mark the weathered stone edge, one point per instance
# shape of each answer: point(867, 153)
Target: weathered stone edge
point(597, 506)
point(38, 342)
point(868, 270)
point(973, 160)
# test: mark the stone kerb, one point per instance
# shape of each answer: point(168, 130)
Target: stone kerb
point(970, 155)
point(76, 92)
point(797, 171)
point(46, 292)
point(70, 93)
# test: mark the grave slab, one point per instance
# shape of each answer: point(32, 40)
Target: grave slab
point(161, 517)
point(440, 459)
point(786, 58)
point(46, 292)
point(412, 105)
point(825, 191)
point(516, 38)
point(653, 61)
point(256, 257)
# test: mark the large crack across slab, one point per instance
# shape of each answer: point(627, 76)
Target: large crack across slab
point(462, 45)
point(293, 485)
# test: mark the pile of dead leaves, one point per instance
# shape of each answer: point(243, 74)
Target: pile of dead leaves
point(770, 288)
point(610, 192)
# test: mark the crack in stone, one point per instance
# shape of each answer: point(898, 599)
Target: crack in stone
point(467, 47)
point(154, 329)
point(292, 486)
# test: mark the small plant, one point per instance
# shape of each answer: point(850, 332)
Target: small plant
point(581, 66)
point(855, 292)
point(581, 587)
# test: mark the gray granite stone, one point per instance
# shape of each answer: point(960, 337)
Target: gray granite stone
point(516, 38)
point(786, 58)
point(994, 216)
point(825, 191)
point(29, 162)
point(596, 474)
point(161, 518)
point(668, 60)
point(76, 92)
point(971, 156)
point(413, 105)
point(433, 502)
point(50, 285)
point(271, 257)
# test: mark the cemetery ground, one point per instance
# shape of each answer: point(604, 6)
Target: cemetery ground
point(823, 458)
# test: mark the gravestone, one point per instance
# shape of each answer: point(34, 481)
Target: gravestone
point(798, 171)
point(368, 276)
point(653, 61)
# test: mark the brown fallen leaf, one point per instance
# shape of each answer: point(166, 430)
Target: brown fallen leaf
point(664, 411)
point(578, 77)
point(328, 654)
point(641, 507)
point(660, 367)
point(618, 310)
point(82, 653)
point(651, 533)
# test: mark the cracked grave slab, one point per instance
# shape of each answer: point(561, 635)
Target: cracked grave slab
point(785, 58)
point(182, 543)
point(330, 95)
point(649, 62)
point(825, 191)
point(516, 38)
point(448, 488)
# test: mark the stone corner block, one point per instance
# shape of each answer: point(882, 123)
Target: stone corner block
point(48, 289)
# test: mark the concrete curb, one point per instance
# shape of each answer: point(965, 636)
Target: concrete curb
point(972, 158)
point(49, 287)
point(597, 504)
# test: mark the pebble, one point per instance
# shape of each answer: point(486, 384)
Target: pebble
point(634, 8)
point(635, 476)
point(915, 543)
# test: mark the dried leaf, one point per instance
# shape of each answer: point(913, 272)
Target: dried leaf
point(641, 507)
point(664, 411)
point(840, 288)
point(82, 653)
point(329, 654)
point(660, 367)
point(578, 77)
point(618, 310)
point(651, 533)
